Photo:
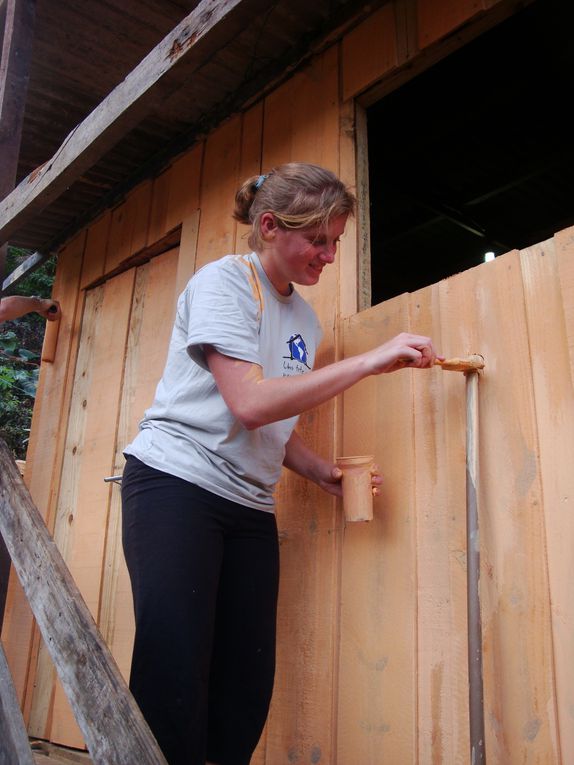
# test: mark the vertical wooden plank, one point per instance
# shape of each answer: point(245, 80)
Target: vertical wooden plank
point(218, 187)
point(350, 249)
point(300, 727)
point(159, 206)
point(250, 164)
point(516, 622)
point(175, 194)
point(81, 523)
point(554, 401)
point(151, 320)
point(44, 454)
point(436, 18)
point(185, 194)
point(439, 439)
point(96, 249)
point(369, 51)
point(129, 226)
point(377, 684)
point(564, 242)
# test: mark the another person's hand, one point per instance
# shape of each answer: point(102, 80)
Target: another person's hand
point(49, 309)
point(331, 483)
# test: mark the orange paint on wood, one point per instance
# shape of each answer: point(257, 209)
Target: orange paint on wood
point(377, 663)
point(439, 470)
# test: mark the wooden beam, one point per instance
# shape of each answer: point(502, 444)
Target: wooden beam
point(17, 22)
point(111, 722)
point(15, 744)
point(206, 29)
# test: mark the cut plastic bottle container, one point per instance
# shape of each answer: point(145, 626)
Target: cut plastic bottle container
point(357, 487)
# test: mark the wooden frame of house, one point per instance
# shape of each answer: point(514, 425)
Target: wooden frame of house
point(372, 652)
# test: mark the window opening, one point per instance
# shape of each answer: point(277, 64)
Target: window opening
point(475, 154)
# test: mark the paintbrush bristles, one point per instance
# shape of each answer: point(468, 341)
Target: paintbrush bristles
point(476, 361)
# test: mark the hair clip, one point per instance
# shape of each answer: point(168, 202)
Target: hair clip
point(260, 181)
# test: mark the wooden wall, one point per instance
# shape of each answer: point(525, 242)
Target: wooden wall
point(372, 624)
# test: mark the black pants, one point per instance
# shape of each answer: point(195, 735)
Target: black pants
point(204, 574)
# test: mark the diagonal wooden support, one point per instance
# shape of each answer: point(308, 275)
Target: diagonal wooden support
point(209, 26)
point(109, 718)
point(15, 746)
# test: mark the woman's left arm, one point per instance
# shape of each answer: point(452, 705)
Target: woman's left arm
point(306, 462)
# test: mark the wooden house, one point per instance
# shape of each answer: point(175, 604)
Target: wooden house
point(449, 118)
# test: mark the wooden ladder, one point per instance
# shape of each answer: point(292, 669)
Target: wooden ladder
point(113, 727)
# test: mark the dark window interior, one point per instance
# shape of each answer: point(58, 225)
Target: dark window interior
point(476, 154)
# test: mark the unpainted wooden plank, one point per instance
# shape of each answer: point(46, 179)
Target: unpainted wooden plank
point(218, 186)
point(437, 18)
point(377, 683)
point(96, 404)
point(250, 163)
point(369, 51)
point(151, 320)
point(96, 249)
point(113, 726)
point(184, 187)
point(15, 747)
point(554, 401)
point(129, 227)
point(64, 526)
point(439, 467)
point(159, 205)
point(350, 247)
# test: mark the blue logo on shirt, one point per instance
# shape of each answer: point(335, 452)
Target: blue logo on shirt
point(297, 350)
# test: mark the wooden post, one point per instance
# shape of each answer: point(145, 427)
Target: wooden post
point(476, 692)
point(15, 746)
point(110, 720)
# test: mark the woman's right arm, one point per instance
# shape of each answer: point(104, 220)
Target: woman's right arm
point(256, 401)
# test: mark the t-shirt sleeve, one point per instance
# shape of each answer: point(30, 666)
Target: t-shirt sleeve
point(221, 310)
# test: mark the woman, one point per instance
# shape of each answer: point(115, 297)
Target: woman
point(200, 536)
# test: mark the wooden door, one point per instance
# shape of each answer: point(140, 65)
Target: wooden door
point(125, 329)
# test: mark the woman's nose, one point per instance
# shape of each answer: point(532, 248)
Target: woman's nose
point(328, 253)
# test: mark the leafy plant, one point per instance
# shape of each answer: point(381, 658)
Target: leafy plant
point(20, 348)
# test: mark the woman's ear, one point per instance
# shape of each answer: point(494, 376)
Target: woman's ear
point(268, 226)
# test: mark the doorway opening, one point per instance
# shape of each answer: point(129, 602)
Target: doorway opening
point(475, 154)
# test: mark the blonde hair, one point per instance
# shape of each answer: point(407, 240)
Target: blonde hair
point(298, 194)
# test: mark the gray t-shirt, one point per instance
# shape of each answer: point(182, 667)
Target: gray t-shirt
point(189, 431)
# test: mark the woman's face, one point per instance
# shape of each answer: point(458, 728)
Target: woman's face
point(298, 256)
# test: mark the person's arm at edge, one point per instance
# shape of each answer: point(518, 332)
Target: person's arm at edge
point(15, 306)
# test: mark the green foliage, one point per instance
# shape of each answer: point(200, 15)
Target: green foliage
point(20, 348)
